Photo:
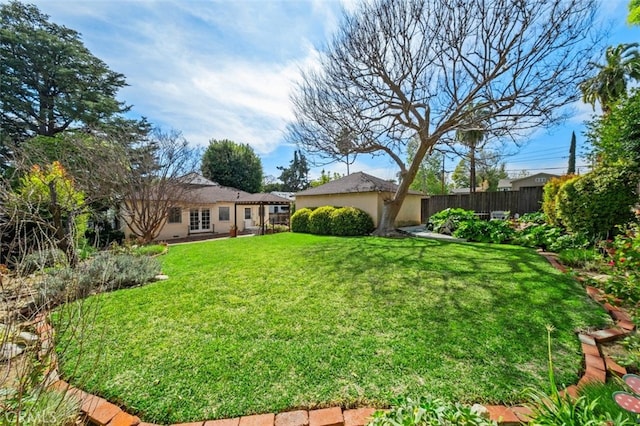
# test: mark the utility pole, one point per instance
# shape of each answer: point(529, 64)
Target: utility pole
point(443, 175)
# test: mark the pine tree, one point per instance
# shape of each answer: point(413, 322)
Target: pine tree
point(572, 155)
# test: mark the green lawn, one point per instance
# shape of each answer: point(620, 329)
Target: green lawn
point(272, 323)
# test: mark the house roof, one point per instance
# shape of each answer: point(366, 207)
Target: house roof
point(194, 178)
point(217, 194)
point(354, 183)
point(262, 198)
point(547, 175)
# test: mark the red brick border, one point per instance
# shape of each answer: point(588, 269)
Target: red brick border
point(103, 413)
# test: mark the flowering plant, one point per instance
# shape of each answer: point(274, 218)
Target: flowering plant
point(626, 249)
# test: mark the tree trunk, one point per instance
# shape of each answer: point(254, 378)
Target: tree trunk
point(390, 209)
point(472, 171)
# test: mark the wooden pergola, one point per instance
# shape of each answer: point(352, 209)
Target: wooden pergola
point(262, 199)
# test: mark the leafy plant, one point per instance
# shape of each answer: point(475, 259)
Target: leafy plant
point(538, 218)
point(537, 236)
point(568, 241)
point(428, 412)
point(631, 357)
point(626, 248)
point(448, 220)
point(300, 220)
point(625, 287)
point(493, 231)
point(320, 220)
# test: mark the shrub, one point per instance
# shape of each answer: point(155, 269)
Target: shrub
point(448, 220)
point(120, 271)
point(596, 202)
point(300, 221)
point(42, 259)
point(320, 220)
point(280, 228)
point(106, 271)
point(349, 221)
point(549, 193)
point(427, 412)
point(493, 231)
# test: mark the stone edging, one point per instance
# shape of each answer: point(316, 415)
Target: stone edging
point(101, 412)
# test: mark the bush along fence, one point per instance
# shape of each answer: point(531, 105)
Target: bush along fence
point(526, 200)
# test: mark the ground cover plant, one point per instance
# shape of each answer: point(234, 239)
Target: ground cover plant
point(293, 320)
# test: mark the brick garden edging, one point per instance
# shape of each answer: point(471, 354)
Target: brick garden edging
point(101, 412)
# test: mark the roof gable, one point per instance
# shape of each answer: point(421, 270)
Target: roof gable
point(354, 183)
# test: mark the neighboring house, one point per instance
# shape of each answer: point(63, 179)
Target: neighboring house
point(457, 191)
point(212, 208)
point(282, 209)
point(365, 192)
point(539, 179)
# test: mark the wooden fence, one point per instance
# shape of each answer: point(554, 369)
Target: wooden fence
point(526, 200)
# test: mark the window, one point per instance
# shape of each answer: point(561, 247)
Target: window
point(247, 212)
point(175, 215)
point(223, 214)
point(541, 180)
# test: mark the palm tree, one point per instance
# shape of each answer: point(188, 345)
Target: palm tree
point(610, 83)
point(472, 132)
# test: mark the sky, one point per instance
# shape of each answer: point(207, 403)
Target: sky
point(225, 70)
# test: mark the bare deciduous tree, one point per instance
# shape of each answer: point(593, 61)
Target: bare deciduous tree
point(157, 180)
point(403, 68)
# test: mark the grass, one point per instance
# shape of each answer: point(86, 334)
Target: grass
point(273, 323)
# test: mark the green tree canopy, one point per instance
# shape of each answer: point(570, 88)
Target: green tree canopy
point(633, 17)
point(325, 177)
point(489, 171)
point(429, 179)
point(296, 176)
point(622, 64)
point(231, 164)
point(49, 81)
point(615, 138)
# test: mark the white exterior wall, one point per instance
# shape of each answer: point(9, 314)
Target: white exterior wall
point(171, 231)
